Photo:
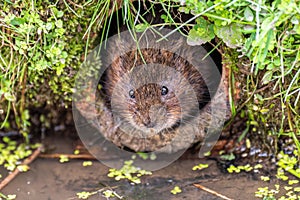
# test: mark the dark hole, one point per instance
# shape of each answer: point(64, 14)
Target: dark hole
point(152, 13)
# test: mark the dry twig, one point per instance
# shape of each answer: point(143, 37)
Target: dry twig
point(211, 191)
point(27, 161)
point(70, 156)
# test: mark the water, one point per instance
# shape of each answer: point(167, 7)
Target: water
point(48, 179)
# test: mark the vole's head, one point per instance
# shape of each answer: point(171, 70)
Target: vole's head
point(152, 106)
point(152, 98)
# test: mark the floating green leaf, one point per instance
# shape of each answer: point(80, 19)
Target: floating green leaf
point(128, 171)
point(176, 190)
point(200, 167)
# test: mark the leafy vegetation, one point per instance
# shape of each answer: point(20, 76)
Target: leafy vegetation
point(200, 166)
point(267, 33)
point(129, 172)
point(176, 190)
point(291, 190)
point(12, 153)
point(8, 197)
point(246, 168)
point(42, 46)
point(110, 194)
point(286, 178)
point(107, 193)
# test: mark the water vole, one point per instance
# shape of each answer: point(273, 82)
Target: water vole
point(155, 88)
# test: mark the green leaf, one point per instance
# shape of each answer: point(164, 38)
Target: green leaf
point(87, 163)
point(231, 35)
point(84, 195)
point(17, 21)
point(267, 24)
point(297, 29)
point(63, 158)
point(49, 26)
point(59, 14)
point(201, 33)
point(11, 196)
point(200, 167)
point(264, 178)
point(23, 168)
point(59, 23)
point(8, 1)
point(56, 12)
point(176, 190)
point(248, 14)
point(141, 27)
point(6, 139)
point(108, 193)
point(267, 77)
point(9, 96)
point(143, 155)
point(184, 10)
point(230, 156)
point(25, 115)
point(60, 31)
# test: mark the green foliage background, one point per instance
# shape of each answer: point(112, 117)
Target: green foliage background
point(43, 44)
point(267, 33)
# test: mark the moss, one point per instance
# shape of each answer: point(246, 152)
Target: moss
point(42, 48)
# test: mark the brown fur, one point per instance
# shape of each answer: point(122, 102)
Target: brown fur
point(150, 109)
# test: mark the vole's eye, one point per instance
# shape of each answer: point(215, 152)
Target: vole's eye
point(131, 94)
point(164, 90)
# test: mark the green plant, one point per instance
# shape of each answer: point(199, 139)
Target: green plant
point(42, 47)
point(107, 193)
point(63, 159)
point(87, 163)
point(289, 163)
point(200, 167)
point(85, 195)
point(12, 153)
point(111, 194)
point(246, 168)
point(8, 197)
point(176, 190)
point(145, 156)
point(129, 172)
point(291, 190)
point(267, 33)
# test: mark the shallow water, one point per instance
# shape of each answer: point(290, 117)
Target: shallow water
point(50, 180)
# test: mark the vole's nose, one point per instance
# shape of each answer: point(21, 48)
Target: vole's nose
point(148, 123)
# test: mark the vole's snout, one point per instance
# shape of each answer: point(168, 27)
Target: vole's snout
point(148, 123)
point(149, 118)
point(153, 116)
